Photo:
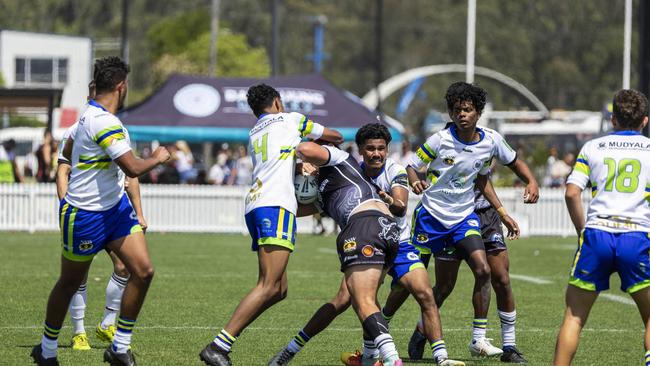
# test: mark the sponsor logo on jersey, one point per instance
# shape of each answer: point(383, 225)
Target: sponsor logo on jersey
point(602, 145)
point(412, 256)
point(467, 149)
point(266, 223)
point(368, 251)
point(497, 238)
point(449, 160)
point(628, 145)
point(472, 222)
point(133, 215)
point(350, 257)
point(478, 164)
point(85, 245)
point(389, 229)
point(350, 245)
point(321, 188)
point(422, 238)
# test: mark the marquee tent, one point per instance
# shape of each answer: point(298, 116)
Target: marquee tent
point(202, 109)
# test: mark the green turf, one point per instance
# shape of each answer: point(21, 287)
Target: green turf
point(201, 278)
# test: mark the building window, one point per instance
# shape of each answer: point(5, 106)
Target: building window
point(41, 71)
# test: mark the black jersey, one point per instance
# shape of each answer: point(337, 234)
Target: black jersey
point(343, 186)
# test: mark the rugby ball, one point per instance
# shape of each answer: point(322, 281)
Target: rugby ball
point(306, 188)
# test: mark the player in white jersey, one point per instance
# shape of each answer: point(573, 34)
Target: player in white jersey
point(270, 209)
point(615, 237)
point(105, 330)
point(407, 269)
point(455, 159)
point(96, 213)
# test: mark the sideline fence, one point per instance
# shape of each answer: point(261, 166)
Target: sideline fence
point(220, 209)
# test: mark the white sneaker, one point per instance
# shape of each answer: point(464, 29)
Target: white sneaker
point(483, 348)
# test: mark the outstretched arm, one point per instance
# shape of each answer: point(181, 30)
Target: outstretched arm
point(531, 192)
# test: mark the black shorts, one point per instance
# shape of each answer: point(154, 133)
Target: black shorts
point(370, 237)
point(491, 232)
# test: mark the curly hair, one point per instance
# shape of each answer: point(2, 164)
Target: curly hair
point(260, 97)
point(462, 91)
point(108, 72)
point(630, 108)
point(372, 131)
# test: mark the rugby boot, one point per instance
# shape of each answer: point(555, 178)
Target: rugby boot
point(214, 356)
point(512, 355)
point(37, 355)
point(80, 342)
point(357, 359)
point(483, 348)
point(416, 345)
point(282, 358)
point(105, 335)
point(448, 362)
point(119, 359)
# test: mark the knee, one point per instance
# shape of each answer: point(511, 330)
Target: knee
point(501, 281)
point(120, 270)
point(442, 291)
point(341, 302)
point(143, 274)
point(274, 291)
point(482, 272)
point(424, 297)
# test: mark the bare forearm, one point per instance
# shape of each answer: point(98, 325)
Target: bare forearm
point(573, 201)
point(523, 172)
point(133, 190)
point(62, 176)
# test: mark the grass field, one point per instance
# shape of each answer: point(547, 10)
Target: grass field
point(201, 278)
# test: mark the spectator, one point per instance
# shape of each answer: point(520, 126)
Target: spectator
point(44, 158)
point(219, 171)
point(8, 169)
point(552, 158)
point(561, 169)
point(404, 158)
point(244, 166)
point(184, 162)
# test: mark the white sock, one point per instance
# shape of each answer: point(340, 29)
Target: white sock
point(439, 350)
point(479, 328)
point(122, 338)
point(369, 349)
point(386, 346)
point(298, 341)
point(49, 341)
point(508, 321)
point(114, 291)
point(78, 309)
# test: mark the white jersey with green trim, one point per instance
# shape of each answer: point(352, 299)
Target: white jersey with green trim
point(393, 174)
point(272, 146)
point(452, 168)
point(71, 131)
point(96, 181)
point(618, 168)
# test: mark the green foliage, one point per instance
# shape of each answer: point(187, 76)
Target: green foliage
point(2, 81)
point(24, 121)
point(235, 58)
point(173, 35)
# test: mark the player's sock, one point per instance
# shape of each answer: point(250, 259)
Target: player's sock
point(370, 351)
point(479, 328)
point(122, 338)
point(388, 318)
point(508, 320)
point(376, 328)
point(114, 291)
point(224, 340)
point(439, 350)
point(49, 342)
point(647, 358)
point(78, 309)
point(298, 341)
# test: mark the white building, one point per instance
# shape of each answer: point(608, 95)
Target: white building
point(37, 60)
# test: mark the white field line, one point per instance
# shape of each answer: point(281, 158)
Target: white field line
point(617, 298)
point(327, 250)
point(531, 279)
point(335, 330)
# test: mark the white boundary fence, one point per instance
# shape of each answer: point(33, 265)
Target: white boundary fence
point(186, 208)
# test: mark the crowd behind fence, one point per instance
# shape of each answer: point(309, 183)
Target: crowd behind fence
point(220, 209)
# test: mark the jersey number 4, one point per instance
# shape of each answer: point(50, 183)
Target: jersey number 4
point(625, 178)
point(259, 146)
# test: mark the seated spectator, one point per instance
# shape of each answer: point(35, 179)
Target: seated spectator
point(561, 169)
point(184, 162)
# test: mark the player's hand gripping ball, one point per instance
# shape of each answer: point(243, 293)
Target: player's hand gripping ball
point(306, 188)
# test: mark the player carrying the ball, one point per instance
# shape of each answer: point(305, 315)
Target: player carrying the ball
point(270, 209)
